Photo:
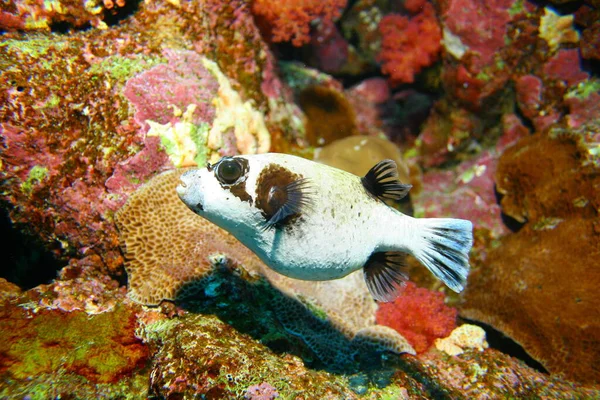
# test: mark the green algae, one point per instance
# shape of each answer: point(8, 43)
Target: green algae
point(36, 175)
point(35, 46)
point(122, 68)
point(393, 392)
point(484, 76)
point(95, 347)
point(516, 8)
point(584, 89)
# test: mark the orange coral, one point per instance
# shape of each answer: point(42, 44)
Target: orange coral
point(420, 315)
point(408, 45)
point(290, 20)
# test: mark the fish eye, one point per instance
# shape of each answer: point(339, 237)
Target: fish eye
point(228, 171)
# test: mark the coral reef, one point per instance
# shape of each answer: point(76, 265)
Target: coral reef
point(233, 362)
point(172, 254)
point(50, 347)
point(41, 16)
point(420, 315)
point(75, 141)
point(100, 98)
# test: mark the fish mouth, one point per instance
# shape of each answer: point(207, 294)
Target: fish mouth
point(182, 191)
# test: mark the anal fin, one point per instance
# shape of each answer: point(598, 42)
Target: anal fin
point(382, 181)
point(385, 274)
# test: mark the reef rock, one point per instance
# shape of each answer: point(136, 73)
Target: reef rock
point(90, 115)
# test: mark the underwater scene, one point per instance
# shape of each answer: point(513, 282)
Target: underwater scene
point(300, 199)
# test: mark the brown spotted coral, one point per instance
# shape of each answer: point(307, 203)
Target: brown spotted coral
point(167, 245)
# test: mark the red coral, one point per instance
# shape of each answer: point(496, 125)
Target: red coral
point(414, 5)
point(408, 45)
point(566, 66)
point(290, 20)
point(529, 95)
point(183, 81)
point(420, 315)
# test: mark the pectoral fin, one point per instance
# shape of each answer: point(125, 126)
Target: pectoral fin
point(384, 274)
point(382, 181)
point(287, 200)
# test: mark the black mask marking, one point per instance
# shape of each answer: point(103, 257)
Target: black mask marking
point(231, 172)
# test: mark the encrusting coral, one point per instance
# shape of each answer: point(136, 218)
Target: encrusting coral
point(540, 286)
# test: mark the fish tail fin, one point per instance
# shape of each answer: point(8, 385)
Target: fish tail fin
point(444, 247)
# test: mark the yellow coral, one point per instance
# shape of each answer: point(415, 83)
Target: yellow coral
point(232, 112)
point(464, 337)
point(556, 29)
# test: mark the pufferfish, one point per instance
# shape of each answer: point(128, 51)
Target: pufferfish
point(313, 222)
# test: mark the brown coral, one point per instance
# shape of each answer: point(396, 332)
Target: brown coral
point(541, 178)
point(329, 115)
point(358, 154)
point(540, 285)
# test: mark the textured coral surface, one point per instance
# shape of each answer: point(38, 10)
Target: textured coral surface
point(539, 285)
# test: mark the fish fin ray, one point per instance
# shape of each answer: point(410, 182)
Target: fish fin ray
point(382, 181)
point(298, 197)
point(385, 274)
point(444, 249)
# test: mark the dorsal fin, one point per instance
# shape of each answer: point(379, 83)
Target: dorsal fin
point(385, 275)
point(284, 201)
point(382, 181)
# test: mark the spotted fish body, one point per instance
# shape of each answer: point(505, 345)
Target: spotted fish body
point(310, 221)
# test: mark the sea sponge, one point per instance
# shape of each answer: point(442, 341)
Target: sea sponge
point(358, 154)
point(329, 115)
point(169, 249)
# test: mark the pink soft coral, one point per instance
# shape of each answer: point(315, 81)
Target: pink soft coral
point(408, 45)
point(420, 315)
point(290, 20)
